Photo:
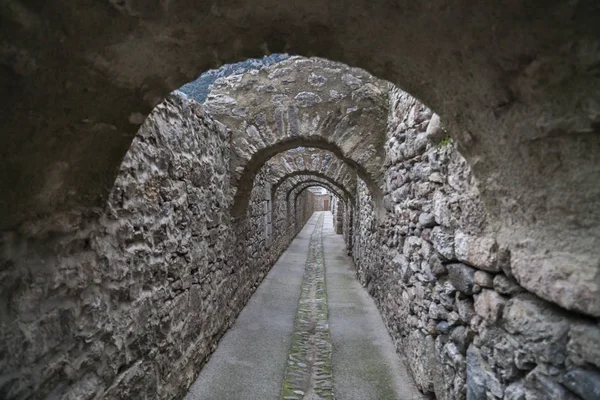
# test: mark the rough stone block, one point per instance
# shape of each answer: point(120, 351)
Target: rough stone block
point(437, 268)
point(584, 344)
point(480, 252)
point(484, 279)
point(427, 220)
point(489, 305)
point(441, 209)
point(504, 285)
point(534, 318)
point(462, 277)
point(437, 312)
point(541, 326)
point(465, 308)
point(87, 388)
point(585, 383)
point(569, 280)
point(461, 336)
point(515, 391)
point(543, 386)
point(419, 352)
point(435, 131)
point(443, 242)
point(442, 327)
point(480, 378)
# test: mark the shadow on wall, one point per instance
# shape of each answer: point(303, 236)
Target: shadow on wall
point(450, 291)
point(123, 287)
point(130, 300)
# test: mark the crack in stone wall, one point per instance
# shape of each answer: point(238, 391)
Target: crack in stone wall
point(309, 372)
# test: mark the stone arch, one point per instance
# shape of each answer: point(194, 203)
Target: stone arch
point(284, 190)
point(525, 115)
point(307, 161)
point(341, 184)
point(347, 209)
point(302, 188)
point(316, 181)
point(519, 108)
point(302, 102)
point(298, 188)
point(292, 180)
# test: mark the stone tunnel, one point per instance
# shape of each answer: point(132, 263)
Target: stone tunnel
point(407, 207)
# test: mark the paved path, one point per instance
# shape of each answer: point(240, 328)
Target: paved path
point(309, 332)
point(365, 363)
point(251, 357)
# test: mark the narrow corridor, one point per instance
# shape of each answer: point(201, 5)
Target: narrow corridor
point(309, 332)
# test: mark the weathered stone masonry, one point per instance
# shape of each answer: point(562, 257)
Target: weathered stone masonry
point(129, 301)
point(446, 286)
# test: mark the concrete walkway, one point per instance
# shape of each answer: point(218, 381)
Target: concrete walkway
point(365, 363)
point(250, 362)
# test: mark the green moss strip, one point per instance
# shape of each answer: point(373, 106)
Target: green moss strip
point(309, 371)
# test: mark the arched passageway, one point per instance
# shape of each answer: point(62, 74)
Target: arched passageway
point(344, 352)
point(314, 162)
point(528, 130)
point(303, 102)
point(514, 108)
point(460, 254)
point(310, 181)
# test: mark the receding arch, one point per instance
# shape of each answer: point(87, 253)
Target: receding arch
point(291, 183)
point(333, 189)
point(304, 161)
point(302, 102)
point(247, 175)
point(347, 209)
point(320, 177)
point(281, 197)
point(303, 188)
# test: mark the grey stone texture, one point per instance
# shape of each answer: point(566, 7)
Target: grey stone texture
point(448, 283)
point(250, 360)
point(130, 300)
point(118, 282)
point(461, 277)
point(284, 115)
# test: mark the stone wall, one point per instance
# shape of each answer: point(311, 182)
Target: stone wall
point(348, 227)
point(130, 300)
point(305, 203)
point(444, 284)
point(320, 201)
point(337, 210)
